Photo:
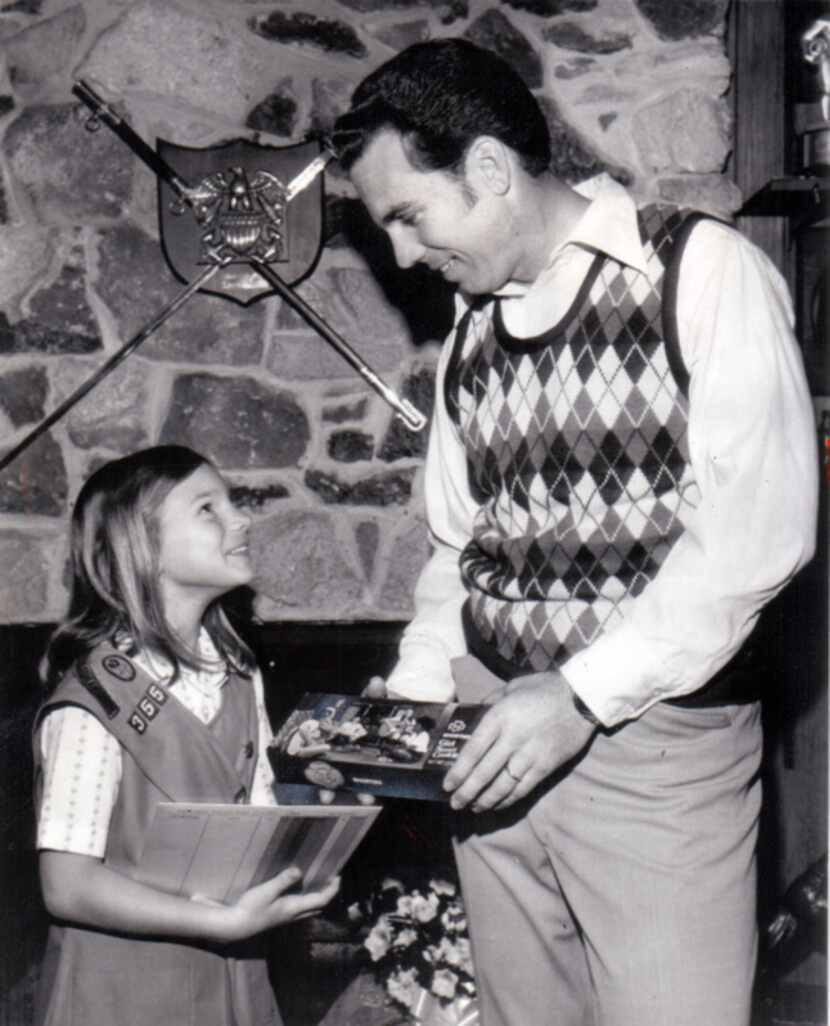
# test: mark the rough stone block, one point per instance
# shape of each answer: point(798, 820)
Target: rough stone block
point(35, 483)
point(189, 55)
point(114, 415)
point(43, 50)
point(277, 113)
point(686, 131)
point(408, 554)
point(23, 394)
point(326, 34)
point(258, 497)
point(350, 446)
point(69, 176)
point(301, 569)
point(24, 578)
point(401, 35)
point(683, 20)
point(60, 320)
point(25, 254)
point(237, 422)
point(393, 488)
point(569, 36)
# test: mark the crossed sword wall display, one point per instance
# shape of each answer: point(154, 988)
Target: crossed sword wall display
point(193, 198)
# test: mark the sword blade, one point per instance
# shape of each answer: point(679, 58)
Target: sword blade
point(413, 418)
point(109, 365)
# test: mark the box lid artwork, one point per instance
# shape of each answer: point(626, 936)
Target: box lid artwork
point(376, 746)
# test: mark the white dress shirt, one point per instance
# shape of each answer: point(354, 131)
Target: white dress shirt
point(752, 446)
point(82, 760)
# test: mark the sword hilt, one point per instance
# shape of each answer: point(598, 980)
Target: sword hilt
point(103, 112)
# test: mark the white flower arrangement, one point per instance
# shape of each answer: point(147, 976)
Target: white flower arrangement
point(419, 948)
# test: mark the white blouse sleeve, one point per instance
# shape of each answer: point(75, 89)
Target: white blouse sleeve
point(81, 776)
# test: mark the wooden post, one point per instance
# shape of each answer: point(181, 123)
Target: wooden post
point(758, 51)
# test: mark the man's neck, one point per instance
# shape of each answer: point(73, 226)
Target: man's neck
point(550, 211)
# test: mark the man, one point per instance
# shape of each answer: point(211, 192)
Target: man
point(621, 473)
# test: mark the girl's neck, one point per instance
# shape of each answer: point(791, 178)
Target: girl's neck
point(186, 624)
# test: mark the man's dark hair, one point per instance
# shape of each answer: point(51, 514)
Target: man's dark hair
point(440, 96)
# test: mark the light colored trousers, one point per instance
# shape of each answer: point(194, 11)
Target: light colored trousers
point(625, 893)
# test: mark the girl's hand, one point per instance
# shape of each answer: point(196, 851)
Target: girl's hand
point(376, 688)
point(267, 905)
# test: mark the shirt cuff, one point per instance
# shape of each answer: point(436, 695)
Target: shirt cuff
point(618, 677)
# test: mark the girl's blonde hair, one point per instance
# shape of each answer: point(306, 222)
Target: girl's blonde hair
point(114, 547)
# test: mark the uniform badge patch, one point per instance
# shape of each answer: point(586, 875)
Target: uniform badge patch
point(119, 667)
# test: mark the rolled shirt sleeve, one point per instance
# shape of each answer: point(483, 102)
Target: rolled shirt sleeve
point(752, 444)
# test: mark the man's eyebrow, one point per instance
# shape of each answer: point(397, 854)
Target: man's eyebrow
point(396, 213)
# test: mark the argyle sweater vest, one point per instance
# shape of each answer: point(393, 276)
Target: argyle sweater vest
point(577, 455)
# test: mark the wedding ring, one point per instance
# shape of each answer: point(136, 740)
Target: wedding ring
point(511, 775)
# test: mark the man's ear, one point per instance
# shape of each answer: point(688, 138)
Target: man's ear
point(488, 165)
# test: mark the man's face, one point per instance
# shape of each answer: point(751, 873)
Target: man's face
point(457, 227)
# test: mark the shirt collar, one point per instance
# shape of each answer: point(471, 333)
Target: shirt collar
point(609, 225)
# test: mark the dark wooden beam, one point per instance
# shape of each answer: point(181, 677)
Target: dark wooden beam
point(761, 135)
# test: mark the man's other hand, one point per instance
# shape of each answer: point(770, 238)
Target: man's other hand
point(524, 736)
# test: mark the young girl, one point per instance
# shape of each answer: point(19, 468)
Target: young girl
point(153, 697)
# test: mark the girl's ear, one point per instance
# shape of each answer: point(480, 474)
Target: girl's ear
point(488, 165)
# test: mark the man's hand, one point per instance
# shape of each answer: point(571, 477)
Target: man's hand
point(524, 736)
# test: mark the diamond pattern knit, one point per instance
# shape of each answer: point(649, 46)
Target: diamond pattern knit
point(577, 454)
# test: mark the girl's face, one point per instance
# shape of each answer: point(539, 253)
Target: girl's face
point(203, 540)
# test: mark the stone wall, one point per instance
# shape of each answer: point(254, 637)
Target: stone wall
point(635, 87)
